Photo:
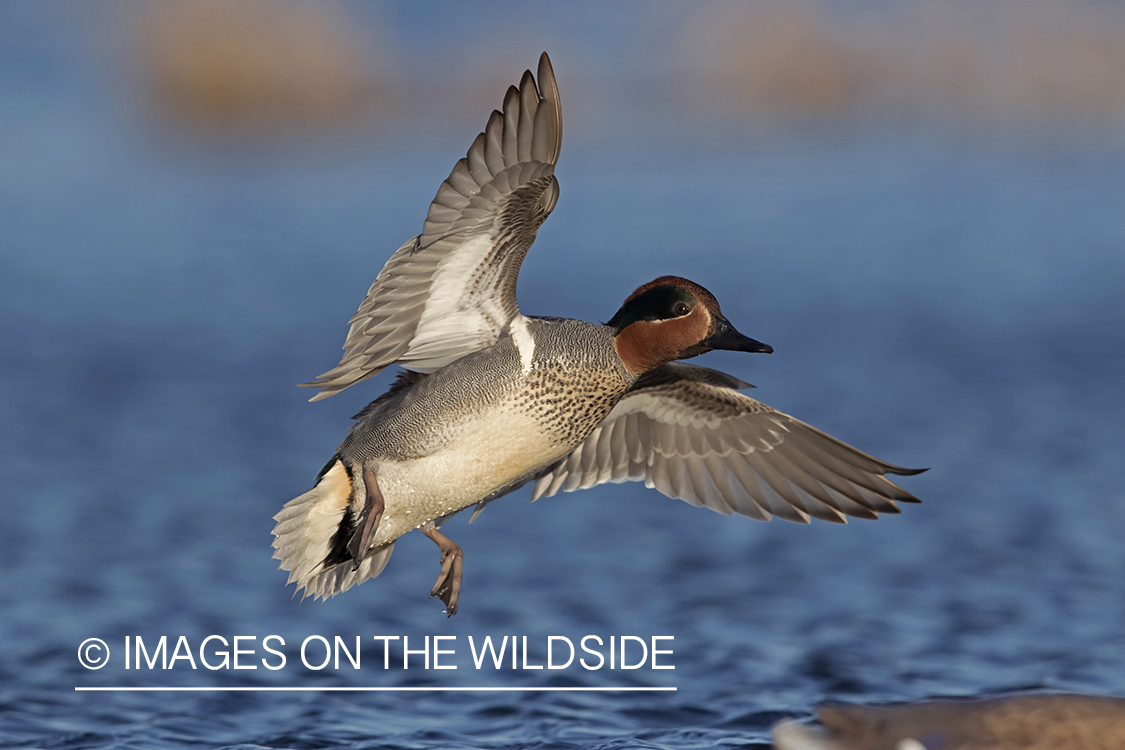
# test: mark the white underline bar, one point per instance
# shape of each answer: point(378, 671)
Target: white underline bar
point(374, 689)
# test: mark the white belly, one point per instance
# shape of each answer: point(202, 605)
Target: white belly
point(483, 455)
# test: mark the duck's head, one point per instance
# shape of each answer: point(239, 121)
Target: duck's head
point(673, 318)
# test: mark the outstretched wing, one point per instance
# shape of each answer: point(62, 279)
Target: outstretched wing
point(452, 290)
point(686, 432)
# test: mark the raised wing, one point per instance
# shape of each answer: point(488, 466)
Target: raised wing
point(452, 290)
point(685, 432)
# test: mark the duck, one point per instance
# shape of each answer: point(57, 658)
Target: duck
point(1023, 721)
point(489, 400)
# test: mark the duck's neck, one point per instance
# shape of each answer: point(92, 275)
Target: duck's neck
point(634, 346)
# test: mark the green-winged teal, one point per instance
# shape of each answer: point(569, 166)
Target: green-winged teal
point(491, 399)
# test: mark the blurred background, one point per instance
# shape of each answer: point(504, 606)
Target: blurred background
point(919, 205)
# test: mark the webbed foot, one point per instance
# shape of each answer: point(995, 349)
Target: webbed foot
point(448, 586)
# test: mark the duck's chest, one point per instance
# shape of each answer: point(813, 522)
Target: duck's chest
point(472, 430)
point(550, 388)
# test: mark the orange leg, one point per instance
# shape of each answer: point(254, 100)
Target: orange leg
point(448, 586)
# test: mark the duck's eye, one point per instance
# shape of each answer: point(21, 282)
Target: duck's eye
point(681, 308)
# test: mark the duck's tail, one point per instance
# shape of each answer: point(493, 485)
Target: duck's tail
point(312, 532)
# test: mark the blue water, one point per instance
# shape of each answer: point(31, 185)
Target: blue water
point(934, 299)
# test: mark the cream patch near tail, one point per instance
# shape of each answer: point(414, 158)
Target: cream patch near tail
point(303, 538)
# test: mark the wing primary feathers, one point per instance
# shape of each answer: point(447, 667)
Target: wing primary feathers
point(420, 311)
point(688, 433)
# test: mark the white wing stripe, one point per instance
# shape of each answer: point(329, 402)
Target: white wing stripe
point(525, 343)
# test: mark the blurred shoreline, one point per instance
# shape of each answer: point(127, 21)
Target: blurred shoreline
point(294, 70)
